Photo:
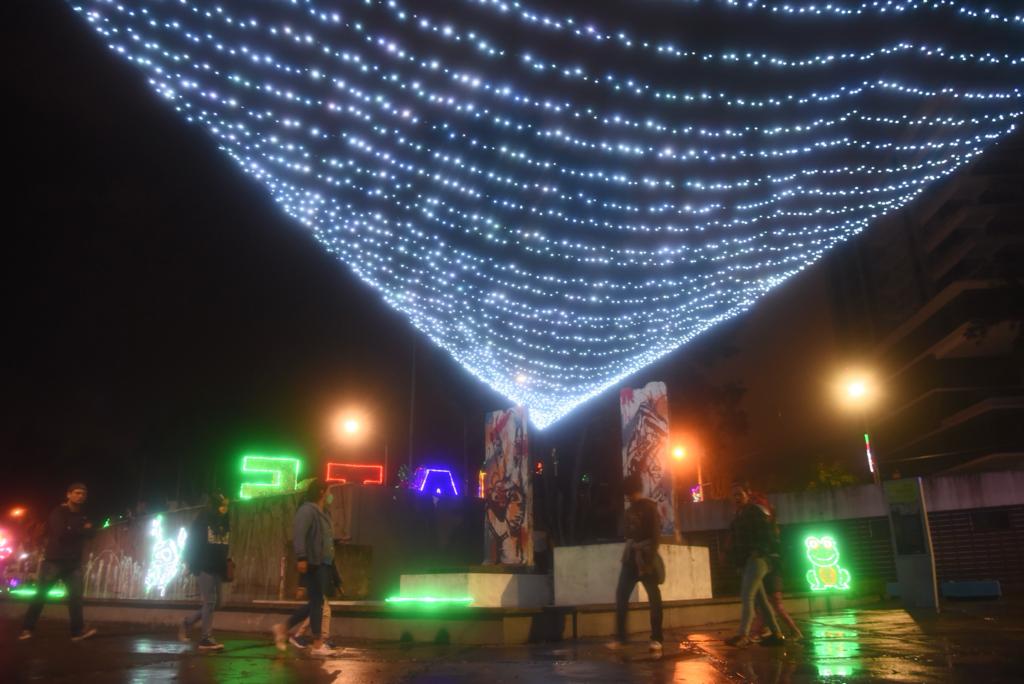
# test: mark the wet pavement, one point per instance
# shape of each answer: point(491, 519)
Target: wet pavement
point(976, 642)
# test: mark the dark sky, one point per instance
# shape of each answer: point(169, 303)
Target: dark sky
point(163, 316)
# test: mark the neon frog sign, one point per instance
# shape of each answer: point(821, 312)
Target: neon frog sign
point(825, 573)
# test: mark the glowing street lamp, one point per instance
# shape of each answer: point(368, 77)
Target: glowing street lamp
point(18, 512)
point(350, 426)
point(858, 392)
point(679, 453)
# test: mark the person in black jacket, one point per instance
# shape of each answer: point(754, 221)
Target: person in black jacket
point(752, 542)
point(206, 557)
point(640, 562)
point(67, 528)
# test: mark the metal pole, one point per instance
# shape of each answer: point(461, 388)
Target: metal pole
point(700, 479)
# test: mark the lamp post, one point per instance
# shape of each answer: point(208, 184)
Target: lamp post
point(858, 392)
point(679, 453)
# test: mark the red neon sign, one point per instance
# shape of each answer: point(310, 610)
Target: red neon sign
point(356, 472)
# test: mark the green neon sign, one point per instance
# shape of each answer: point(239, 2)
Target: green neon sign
point(825, 573)
point(430, 600)
point(283, 472)
point(56, 592)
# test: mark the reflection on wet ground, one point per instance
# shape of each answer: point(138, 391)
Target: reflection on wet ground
point(977, 642)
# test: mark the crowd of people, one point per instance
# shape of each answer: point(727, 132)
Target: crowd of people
point(753, 550)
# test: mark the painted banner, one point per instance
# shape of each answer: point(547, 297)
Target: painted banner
point(508, 491)
point(645, 445)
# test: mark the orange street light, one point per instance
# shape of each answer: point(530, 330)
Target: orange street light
point(679, 453)
point(18, 512)
point(858, 391)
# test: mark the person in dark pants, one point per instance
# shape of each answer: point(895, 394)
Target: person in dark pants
point(313, 537)
point(752, 543)
point(640, 563)
point(206, 557)
point(67, 528)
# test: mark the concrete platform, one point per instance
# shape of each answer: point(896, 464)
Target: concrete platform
point(488, 589)
point(587, 575)
point(377, 621)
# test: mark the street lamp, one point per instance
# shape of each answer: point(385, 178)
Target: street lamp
point(350, 427)
point(679, 453)
point(858, 392)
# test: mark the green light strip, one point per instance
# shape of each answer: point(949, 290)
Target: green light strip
point(30, 592)
point(465, 600)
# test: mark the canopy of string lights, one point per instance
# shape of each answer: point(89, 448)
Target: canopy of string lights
point(560, 193)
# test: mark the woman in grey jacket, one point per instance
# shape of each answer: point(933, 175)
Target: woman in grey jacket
point(313, 538)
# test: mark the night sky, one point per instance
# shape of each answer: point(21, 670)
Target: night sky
point(164, 316)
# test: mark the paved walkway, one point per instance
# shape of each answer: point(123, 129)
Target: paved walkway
point(974, 642)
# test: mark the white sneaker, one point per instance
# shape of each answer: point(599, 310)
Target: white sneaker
point(655, 647)
point(322, 651)
point(614, 645)
point(89, 632)
point(25, 634)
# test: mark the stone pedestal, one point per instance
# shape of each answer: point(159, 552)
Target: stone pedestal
point(487, 589)
point(587, 575)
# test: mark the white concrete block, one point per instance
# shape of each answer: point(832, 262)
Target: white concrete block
point(488, 589)
point(587, 575)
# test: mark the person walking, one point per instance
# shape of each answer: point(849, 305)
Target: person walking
point(313, 539)
point(773, 588)
point(751, 546)
point(206, 557)
point(640, 563)
point(67, 528)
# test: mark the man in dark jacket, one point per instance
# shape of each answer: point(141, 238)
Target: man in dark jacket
point(67, 528)
point(206, 557)
point(313, 538)
point(751, 543)
point(640, 562)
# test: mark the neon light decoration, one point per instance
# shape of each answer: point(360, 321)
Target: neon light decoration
point(481, 482)
point(438, 481)
point(57, 591)
point(556, 201)
point(867, 451)
point(366, 473)
point(430, 600)
point(696, 493)
point(165, 556)
point(283, 471)
point(825, 573)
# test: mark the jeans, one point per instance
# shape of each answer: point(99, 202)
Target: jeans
point(628, 577)
point(52, 571)
point(209, 593)
point(316, 585)
point(751, 591)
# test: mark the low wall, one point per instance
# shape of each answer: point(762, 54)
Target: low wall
point(977, 524)
point(950, 493)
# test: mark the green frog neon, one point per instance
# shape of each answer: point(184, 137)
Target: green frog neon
point(825, 573)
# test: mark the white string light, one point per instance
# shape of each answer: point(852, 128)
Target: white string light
point(555, 219)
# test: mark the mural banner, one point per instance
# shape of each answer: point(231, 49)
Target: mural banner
point(508, 490)
point(645, 445)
